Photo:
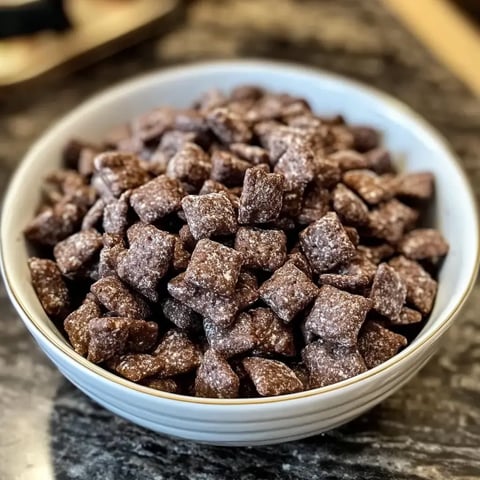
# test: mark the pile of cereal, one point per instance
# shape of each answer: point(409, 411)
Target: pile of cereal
point(243, 247)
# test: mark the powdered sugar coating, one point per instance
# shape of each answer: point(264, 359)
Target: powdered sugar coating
point(288, 291)
point(326, 244)
point(349, 160)
point(209, 215)
point(262, 249)
point(298, 163)
point(115, 215)
point(271, 377)
point(378, 344)
point(215, 378)
point(228, 169)
point(388, 292)
point(228, 126)
point(190, 165)
point(157, 198)
point(417, 185)
point(423, 243)
point(94, 215)
point(49, 286)
point(181, 315)
point(107, 338)
point(337, 316)
point(330, 363)
point(368, 185)
point(349, 206)
point(214, 267)
point(251, 153)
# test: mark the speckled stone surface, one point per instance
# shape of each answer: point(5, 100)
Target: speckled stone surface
point(430, 429)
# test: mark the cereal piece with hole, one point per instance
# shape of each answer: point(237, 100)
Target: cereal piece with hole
point(116, 297)
point(190, 165)
point(262, 249)
point(214, 267)
point(261, 199)
point(388, 292)
point(390, 220)
point(377, 344)
point(49, 286)
point(209, 215)
point(228, 126)
point(349, 207)
point(326, 244)
point(421, 287)
point(423, 244)
point(330, 363)
point(215, 378)
point(147, 259)
point(337, 316)
point(75, 252)
point(288, 292)
point(157, 199)
point(76, 323)
point(220, 309)
point(120, 171)
point(271, 377)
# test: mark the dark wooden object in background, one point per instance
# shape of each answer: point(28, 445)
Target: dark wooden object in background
point(430, 429)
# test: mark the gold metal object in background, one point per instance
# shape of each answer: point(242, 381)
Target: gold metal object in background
point(100, 27)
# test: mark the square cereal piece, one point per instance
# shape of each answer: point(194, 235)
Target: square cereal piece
point(371, 187)
point(364, 138)
point(328, 172)
point(147, 260)
point(298, 163)
point(116, 297)
point(349, 207)
point(115, 214)
point(390, 220)
point(211, 186)
point(163, 384)
point(326, 244)
point(135, 366)
point(300, 261)
point(378, 253)
point(142, 335)
point(54, 223)
point(93, 217)
point(359, 266)
point(228, 126)
point(337, 316)
point(423, 244)
point(209, 215)
point(271, 377)
point(288, 291)
point(228, 169)
point(415, 185)
point(273, 336)
point(157, 198)
point(181, 315)
point(330, 363)
point(190, 121)
point(261, 249)
point(247, 290)
point(317, 197)
point(214, 267)
point(234, 340)
point(251, 153)
point(261, 199)
point(107, 338)
point(190, 165)
point(49, 286)
point(76, 323)
point(150, 126)
point(421, 287)
point(173, 141)
point(120, 171)
point(408, 316)
point(388, 292)
point(215, 378)
point(349, 160)
point(378, 344)
point(292, 198)
point(379, 160)
point(220, 309)
point(113, 247)
point(342, 281)
point(75, 252)
point(177, 354)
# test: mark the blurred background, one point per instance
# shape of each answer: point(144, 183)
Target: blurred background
point(54, 54)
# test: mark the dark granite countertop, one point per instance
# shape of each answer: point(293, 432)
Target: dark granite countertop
point(430, 429)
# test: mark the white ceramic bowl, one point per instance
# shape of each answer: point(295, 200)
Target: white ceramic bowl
point(263, 420)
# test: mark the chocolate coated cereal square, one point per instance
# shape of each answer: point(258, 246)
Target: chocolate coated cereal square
point(190, 165)
point(423, 244)
point(388, 292)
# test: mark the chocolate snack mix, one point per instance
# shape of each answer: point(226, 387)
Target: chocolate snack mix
point(243, 247)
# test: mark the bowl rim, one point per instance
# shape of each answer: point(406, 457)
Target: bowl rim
point(73, 358)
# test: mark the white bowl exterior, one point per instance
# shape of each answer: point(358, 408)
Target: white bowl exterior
point(418, 147)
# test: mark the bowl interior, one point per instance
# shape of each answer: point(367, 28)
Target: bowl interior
point(415, 145)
